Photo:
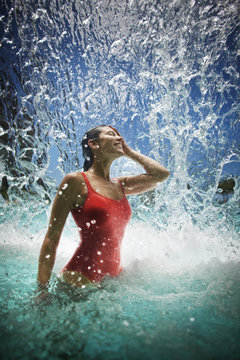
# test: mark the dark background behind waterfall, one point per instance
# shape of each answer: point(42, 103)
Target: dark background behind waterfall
point(166, 74)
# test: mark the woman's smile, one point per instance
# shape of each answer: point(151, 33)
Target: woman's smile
point(119, 146)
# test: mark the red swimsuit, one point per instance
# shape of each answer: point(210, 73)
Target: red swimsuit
point(101, 222)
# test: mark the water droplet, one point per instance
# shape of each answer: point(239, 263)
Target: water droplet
point(93, 221)
point(64, 186)
point(192, 319)
point(47, 256)
point(103, 244)
point(99, 253)
point(88, 224)
point(125, 322)
point(99, 271)
point(79, 229)
point(89, 267)
point(60, 192)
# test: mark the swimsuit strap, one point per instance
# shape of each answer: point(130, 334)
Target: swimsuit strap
point(89, 186)
point(121, 184)
point(87, 182)
point(122, 187)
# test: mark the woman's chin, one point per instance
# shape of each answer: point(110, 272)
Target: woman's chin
point(119, 153)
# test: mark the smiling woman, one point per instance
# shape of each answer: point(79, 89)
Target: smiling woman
point(166, 74)
point(99, 207)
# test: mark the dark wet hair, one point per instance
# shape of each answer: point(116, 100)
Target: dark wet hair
point(91, 134)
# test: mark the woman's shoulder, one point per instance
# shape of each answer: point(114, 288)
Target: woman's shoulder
point(74, 183)
point(73, 176)
point(73, 179)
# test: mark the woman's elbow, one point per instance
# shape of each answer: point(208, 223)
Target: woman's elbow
point(164, 175)
point(167, 173)
point(50, 243)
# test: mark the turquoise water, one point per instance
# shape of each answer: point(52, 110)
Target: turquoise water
point(172, 301)
point(166, 74)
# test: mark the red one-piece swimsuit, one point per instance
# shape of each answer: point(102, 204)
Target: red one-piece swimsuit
point(101, 222)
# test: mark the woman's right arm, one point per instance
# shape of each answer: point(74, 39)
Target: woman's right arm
point(63, 203)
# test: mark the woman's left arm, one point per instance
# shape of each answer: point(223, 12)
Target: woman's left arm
point(155, 173)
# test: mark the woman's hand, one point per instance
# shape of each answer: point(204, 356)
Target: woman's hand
point(155, 172)
point(126, 148)
point(42, 296)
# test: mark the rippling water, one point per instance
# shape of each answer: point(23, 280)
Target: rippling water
point(166, 74)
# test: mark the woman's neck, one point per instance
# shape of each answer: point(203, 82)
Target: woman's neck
point(101, 169)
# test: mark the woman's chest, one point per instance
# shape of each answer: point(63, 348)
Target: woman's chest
point(98, 210)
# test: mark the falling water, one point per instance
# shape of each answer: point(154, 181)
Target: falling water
point(166, 74)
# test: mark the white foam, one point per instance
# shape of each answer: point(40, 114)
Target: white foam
point(173, 249)
point(144, 247)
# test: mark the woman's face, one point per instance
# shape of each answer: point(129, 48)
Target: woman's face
point(110, 142)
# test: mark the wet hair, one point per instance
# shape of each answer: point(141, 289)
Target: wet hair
point(92, 134)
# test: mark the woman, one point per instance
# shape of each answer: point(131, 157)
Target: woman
point(99, 207)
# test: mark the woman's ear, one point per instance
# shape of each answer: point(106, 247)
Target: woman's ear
point(93, 144)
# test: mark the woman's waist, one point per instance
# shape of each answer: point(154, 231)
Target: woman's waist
point(104, 251)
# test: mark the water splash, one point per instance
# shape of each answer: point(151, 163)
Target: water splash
point(166, 74)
